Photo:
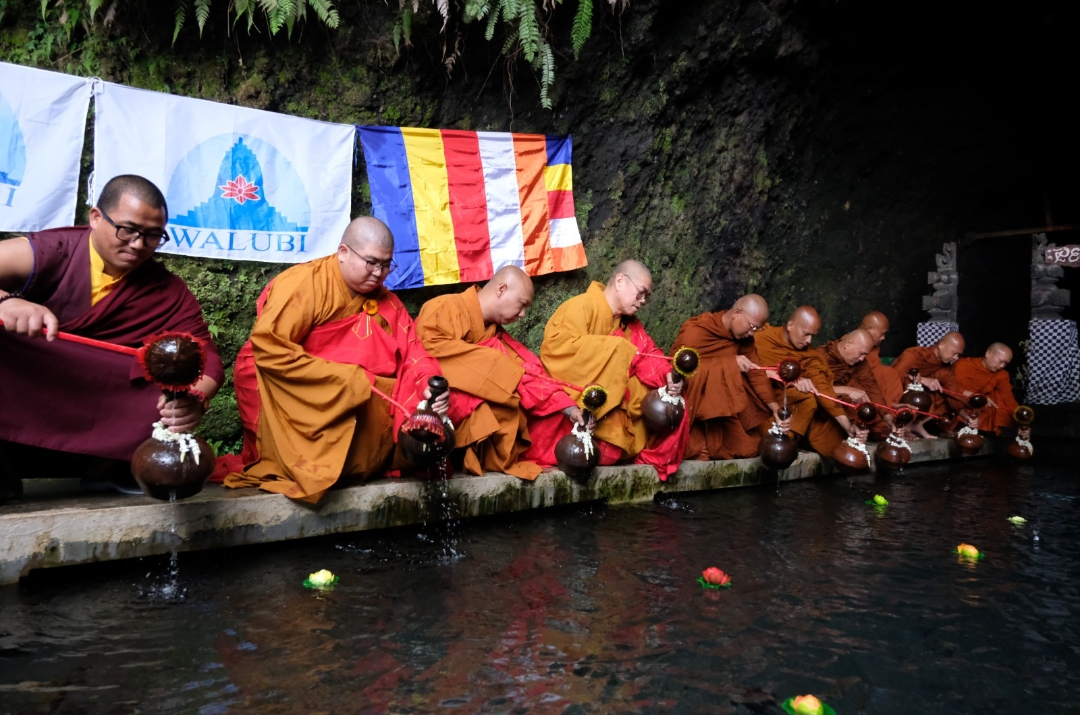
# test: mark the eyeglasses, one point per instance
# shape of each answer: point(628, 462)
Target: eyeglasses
point(753, 328)
point(386, 268)
point(127, 234)
point(642, 295)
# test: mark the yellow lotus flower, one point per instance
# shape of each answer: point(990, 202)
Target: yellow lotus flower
point(321, 579)
point(967, 550)
point(807, 705)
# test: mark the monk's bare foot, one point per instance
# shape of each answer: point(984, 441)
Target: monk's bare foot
point(921, 432)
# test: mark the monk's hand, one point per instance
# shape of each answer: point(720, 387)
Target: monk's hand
point(1024, 433)
point(181, 414)
point(972, 422)
point(29, 319)
point(930, 383)
point(673, 388)
point(854, 394)
point(577, 416)
point(745, 363)
point(858, 433)
point(804, 384)
point(784, 425)
point(440, 406)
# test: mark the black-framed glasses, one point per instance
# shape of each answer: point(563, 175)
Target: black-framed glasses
point(387, 268)
point(127, 234)
point(642, 294)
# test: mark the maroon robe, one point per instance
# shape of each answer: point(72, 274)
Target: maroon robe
point(75, 398)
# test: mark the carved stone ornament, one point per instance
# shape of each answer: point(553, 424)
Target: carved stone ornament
point(1047, 300)
point(942, 304)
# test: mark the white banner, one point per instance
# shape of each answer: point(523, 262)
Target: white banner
point(42, 123)
point(241, 183)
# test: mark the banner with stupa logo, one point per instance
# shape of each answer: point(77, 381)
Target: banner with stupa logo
point(241, 183)
point(42, 124)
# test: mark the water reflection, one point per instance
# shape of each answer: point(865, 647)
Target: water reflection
point(596, 609)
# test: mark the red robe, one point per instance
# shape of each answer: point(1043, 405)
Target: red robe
point(972, 375)
point(926, 361)
point(81, 399)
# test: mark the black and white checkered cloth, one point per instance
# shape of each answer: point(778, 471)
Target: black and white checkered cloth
point(1053, 362)
point(928, 334)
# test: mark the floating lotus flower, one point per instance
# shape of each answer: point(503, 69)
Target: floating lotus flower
point(321, 580)
point(713, 577)
point(878, 500)
point(968, 551)
point(806, 705)
point(1017, 520)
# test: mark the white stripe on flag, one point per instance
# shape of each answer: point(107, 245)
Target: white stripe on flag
point(564, 232)
point(503, 199)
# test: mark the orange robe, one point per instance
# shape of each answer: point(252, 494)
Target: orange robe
point(811, 418)
point(926, 361)
point(891, 386)
point(972, 375)
point(861, 376)
point(304, 380)
point(725, 406)
point(497, 384)
point(585, 343)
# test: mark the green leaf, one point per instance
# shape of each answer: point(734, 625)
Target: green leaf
point(582, 25)
point(179, 15)
point(202, 13)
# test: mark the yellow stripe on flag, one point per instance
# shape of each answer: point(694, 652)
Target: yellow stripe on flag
point(558, 178)
point(431, 198)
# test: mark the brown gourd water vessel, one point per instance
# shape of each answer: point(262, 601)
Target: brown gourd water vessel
point(1023, 416)
point(851, 460)
point(171, 469)
point(663, 417)
point(968, 443)
point(426, 439)
point(572, 455)
point(779, 451)
point(889, 455)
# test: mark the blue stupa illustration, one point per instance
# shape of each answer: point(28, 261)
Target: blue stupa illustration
point(12, 147)
point(239, 202)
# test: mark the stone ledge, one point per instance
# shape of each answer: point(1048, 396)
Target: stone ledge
point(51, 527)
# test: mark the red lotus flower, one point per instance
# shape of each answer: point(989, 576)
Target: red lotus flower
point(715, 577)
point(240, 189)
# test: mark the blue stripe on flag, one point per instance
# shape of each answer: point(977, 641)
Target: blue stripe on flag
point(559, 149)
point(392, 201)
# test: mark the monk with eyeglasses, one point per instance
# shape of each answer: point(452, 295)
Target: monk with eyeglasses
point(596, 338)
point(75, 410)
point(728, 398)
point(327, 331)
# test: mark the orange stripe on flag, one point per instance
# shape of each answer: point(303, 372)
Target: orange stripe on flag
point(569, 258)
point(530, 151)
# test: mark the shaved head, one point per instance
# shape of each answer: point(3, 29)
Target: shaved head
point(368, 231)
point(634, 269)
point(855, 346)
point(365, 255)
point(628, 288)
point(803, 324)
point(505, 298)
point(748, 315)
point(877, 324)
point(997, 356)
point(950, 347)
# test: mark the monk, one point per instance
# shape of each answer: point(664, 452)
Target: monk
point(727, 399)
point(327, 332)
point(595, 338)
point(987, 376)
point(892, 388)
point(75, 410)
point(820, 423)
point(936, 372)
point(499, 386)
point(853, 378)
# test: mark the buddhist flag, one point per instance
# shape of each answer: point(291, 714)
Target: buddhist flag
point(463, 204)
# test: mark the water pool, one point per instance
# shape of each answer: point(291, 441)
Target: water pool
point(596, 609)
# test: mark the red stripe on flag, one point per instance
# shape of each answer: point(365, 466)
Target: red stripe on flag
point(530, 150)
point(468, 204)
point(561, 204)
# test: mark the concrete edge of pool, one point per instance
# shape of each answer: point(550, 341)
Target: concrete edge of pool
point(51, 527)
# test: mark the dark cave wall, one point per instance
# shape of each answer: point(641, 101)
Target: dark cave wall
point(816, 151)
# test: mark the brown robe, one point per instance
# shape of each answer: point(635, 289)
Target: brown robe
point(725, 405)
point(972, 375)
point(891, 386)
point(860, 376)
point(812, 418)
point(495, 387)
point(926, 361)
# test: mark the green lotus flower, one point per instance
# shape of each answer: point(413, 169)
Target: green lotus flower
point(1017, 520)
